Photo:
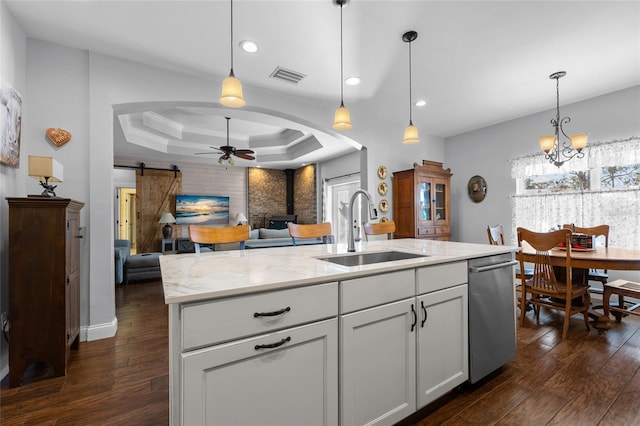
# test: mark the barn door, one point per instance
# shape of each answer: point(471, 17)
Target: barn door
point(155, 194)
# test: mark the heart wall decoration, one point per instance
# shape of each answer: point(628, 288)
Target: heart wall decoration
point(58, 137)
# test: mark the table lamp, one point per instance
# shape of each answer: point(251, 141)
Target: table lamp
point(167, 230)
point(240, 218)
point(45, 169)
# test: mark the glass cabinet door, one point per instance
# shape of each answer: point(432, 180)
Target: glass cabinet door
point(425, 201)
point(440, 201)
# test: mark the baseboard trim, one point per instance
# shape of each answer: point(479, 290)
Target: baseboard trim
point(99, 331)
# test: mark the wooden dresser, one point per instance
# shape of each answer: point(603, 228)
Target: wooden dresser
point(44, 286)
point(421, 201)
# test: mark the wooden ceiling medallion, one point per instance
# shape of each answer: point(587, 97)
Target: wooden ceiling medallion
point(58, 137)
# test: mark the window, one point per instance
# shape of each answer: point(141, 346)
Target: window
point(603, 187)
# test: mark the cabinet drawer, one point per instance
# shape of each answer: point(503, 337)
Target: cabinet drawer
point(376, 290)
point(222, 320)
point(426, 231)
point(434, 278)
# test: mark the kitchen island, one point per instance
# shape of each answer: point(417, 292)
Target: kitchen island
point(281, 336)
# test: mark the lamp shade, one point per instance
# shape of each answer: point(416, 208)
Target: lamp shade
point(410, 135)
point(342, 118)
point(167, 217)
point(45, 167)
point(240, 217)
point(232, 92)
point(579, 141)
point(547, 142)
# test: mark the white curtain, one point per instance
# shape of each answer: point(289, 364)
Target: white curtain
point(617, 207)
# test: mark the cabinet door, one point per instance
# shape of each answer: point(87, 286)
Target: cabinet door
point(440, 197)
point(378, 364)
point(72, 237)
point(424, 194)
point(443, 348)
point(247, 383)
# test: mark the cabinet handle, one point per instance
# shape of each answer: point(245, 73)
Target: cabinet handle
point(271, 314)
point(273, 345)
point(415, 318)
point(424, 310)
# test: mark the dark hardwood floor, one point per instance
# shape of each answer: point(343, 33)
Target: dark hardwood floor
point(590, 378)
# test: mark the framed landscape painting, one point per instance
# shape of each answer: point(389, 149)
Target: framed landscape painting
point(202, 209)
point(10, 125)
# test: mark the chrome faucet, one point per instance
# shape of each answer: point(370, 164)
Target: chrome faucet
point(373, 214)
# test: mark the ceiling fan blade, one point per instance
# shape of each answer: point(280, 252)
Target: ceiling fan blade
point(245, 156)
point(244, 151)
point(205, 153)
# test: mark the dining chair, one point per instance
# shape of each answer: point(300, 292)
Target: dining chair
point(199, 234)
point(544, 288)
point(599, 275)
point(379, 228)
point(315, 230)
point(495, 234)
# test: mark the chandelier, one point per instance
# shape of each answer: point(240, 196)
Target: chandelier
point(342, 117)
point(411, 131)
point(571, 146)
point(231, 87)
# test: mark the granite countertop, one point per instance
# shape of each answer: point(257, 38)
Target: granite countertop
point(192, 277)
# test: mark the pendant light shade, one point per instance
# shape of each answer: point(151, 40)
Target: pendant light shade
point(231, 87)
point(232, 92)
point(410, 135)
point(411, 132)
point(342, 117)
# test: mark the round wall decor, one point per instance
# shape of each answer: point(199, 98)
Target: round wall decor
point(382, 172)
point(477, 188)
point(384, 206)
point(382, 188)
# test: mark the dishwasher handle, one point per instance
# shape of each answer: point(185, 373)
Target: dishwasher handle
point(475, 269)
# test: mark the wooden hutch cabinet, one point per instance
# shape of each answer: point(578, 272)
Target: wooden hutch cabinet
point(421, 201)
point(44, 286)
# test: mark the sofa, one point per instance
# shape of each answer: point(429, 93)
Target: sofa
point(265, 237)
point(122, 250)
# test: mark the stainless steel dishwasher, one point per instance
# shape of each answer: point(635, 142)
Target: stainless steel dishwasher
point(492, 332)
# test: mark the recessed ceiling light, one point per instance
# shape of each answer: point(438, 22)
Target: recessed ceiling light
point(249, 46)
point(421, 103)
point(352, 81)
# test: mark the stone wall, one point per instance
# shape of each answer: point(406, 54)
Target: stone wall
point(268, 195)
point(304, 194)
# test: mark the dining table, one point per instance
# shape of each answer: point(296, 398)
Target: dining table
point(610, 258)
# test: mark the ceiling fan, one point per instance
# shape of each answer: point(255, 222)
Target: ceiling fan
point(228, 151)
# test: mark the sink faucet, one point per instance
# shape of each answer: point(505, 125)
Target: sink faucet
point(373, 214)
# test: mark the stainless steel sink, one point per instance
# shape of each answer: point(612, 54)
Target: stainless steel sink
point(357, 259)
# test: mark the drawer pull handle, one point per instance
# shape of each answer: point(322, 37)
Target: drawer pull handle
point(424, 310)
point(273, 345)
point(271, 314)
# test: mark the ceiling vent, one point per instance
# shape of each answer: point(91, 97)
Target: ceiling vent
point(287, 75)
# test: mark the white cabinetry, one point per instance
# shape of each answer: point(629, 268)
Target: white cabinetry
point(443, 361)
point(268, 359)
point(403, 342)
point(378, 361)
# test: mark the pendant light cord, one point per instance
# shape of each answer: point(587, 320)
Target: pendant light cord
point(410, 100)
point(341, 61)
point(231, 44)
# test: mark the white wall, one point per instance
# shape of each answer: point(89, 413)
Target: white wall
point(487, 152)
point(12, 180)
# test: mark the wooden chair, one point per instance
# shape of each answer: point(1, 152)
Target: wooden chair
point(199, 234)
point(496, 238)
point(599, 275)
point(545, 290)
point(370, 228)
point(316, 230)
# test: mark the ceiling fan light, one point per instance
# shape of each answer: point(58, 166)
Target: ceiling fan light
point(547, 142)
point(410, 135)
point(232, 92)
point(579, 141)
point(342, 118)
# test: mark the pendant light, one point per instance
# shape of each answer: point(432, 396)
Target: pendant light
point(231, 86)
point(342, 117)
point(411, 132)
